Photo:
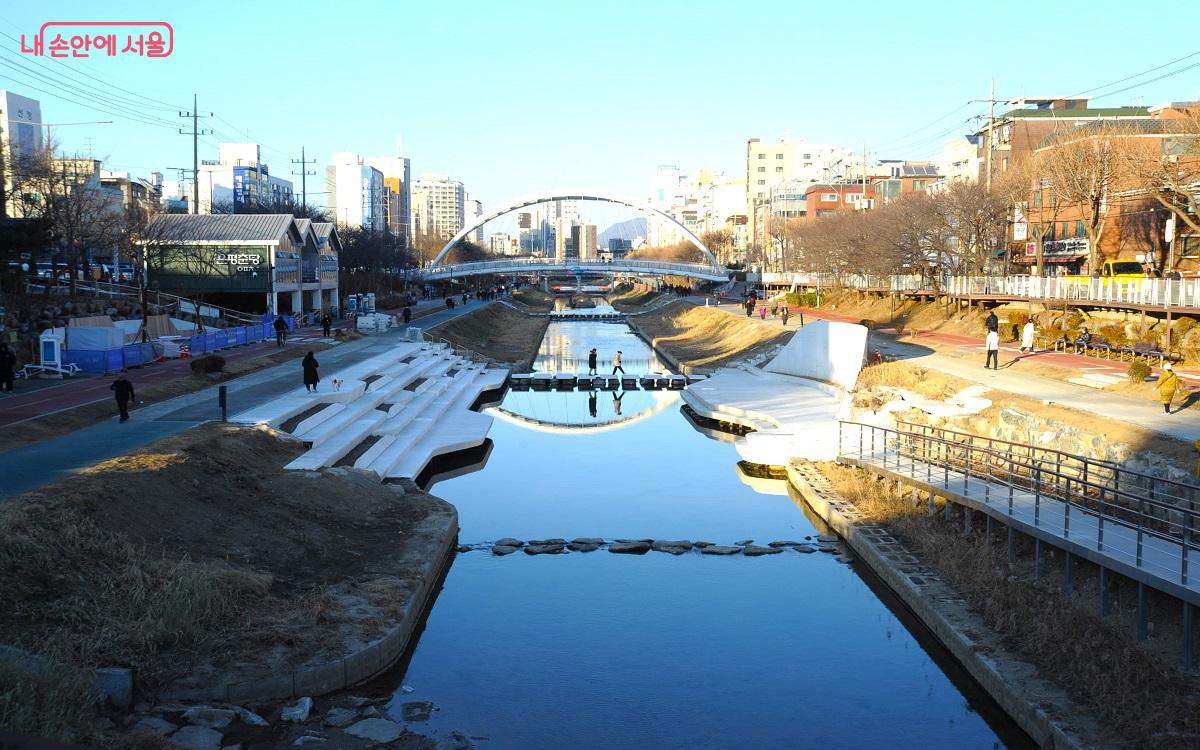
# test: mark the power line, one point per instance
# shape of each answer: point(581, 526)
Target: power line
point(1135, 75)
point(906, 136)
point(86, 105)
point(1149, 81)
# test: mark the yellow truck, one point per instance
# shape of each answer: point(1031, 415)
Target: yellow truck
point(1120, 270)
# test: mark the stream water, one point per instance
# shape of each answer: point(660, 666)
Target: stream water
point(598, 649)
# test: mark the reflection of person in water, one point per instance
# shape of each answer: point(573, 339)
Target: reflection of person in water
point(592, 404)
point(617, 402)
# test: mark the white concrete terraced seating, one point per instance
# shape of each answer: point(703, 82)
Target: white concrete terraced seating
point(414, 400)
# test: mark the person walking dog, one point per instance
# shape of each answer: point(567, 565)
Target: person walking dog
point(310, 366)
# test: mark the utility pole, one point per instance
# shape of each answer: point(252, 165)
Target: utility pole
point(991, 120)
point(304, 172)
point(862, 201)
point(195, 133)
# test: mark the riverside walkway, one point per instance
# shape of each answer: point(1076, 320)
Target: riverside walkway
point(1140, 526)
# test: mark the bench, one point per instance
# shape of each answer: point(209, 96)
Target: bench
point(1149, 351)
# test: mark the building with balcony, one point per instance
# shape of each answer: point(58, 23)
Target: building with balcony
point(439, 206)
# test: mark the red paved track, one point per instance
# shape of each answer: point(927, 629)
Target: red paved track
point(71, 393)
point(1080, 363)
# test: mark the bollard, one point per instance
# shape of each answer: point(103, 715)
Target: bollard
point(222, 392)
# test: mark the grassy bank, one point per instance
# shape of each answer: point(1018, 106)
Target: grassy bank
point(705, 338)
point(197, 555)
point(70, 420)
point(498, 332)
point(632, 298)
point(1135, 690)
point(535, 299)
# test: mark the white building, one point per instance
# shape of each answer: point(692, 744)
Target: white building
point(960, 161)
point(438, 206)
point(239, 180)
point(21, 124)
point(355, 192)
point(769, 165)
point(397, 183)
point(472, 210)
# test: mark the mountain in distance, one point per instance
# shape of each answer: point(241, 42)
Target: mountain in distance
point(629, 229)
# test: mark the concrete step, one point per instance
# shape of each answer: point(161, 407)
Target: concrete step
point(328, 452)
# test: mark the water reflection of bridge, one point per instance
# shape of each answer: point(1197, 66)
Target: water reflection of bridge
point(574, 412)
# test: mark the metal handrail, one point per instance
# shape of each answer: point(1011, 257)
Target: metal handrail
point(1084, 468)
point(948, 455)
point(133, 293)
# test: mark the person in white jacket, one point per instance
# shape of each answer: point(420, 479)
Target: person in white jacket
point(993, 351)
point(1027, 337)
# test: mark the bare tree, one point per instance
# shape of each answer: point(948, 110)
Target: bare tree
point(1082, 168)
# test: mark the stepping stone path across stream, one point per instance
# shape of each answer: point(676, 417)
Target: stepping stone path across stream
point(746, 547)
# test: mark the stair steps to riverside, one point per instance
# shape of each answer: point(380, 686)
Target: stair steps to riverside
point(356, 410)
point(325, 414)
point(339, 444)
point(410, 441)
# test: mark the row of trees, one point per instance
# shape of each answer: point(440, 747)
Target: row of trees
point(1131, 174)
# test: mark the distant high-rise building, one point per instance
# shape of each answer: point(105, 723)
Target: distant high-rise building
point(356, 192)
point(238, 181)
point(438, 206)
point(20, 137)
point(472, 210)
point(397, 183)
point(769, 165)
point(583, 239)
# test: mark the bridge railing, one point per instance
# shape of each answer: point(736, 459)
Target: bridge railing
point(1174, 293)
point(519, 265)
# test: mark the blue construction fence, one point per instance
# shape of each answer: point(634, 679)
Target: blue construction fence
point(135, 355)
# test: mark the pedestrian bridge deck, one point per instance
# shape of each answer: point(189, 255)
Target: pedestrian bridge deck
point(1148, 536)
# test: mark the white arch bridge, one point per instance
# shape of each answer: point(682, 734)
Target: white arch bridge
point(574, 265)
point(710, 271)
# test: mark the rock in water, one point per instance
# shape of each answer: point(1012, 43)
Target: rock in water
point(456, 741)
point(547, 542)
point(720, 549)
point(417, 710)
point(582, 547)
point(307, 739)
point(702, 545)
point(674, 546)
point(629, 548)
point(827, 538)
point(508, 541)
point(805, 548)
point(503, 549)
point(784, 543)
point(206, 716)
point(197, 738)
point(376, 730)
point(298, 711)
point(592, 540)
point(744, 542)
point(544, 549)
point(754, 550)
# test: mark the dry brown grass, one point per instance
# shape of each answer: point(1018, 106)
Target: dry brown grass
point(633, 298)
point(928, 383)
point(70, 420)
point(497, 332)
point(1141, 699)
point(705, 338)
point(194, 554)
point(534, 298)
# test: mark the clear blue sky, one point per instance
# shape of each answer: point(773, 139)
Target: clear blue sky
point(514, 97)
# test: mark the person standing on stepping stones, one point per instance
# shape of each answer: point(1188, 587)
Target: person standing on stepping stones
point(617, 363)
point(592, 362)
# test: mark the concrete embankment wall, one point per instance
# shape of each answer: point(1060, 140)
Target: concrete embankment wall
point(499, 332)
point(1039, 707)
point(694, 339)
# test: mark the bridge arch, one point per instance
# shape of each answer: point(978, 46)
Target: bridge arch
point(532, 199)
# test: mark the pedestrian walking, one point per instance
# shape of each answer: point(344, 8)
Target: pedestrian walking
point(617, 363)
point(311, 378)
point(993, 350)
point(749, 307)
point(774, 309)
point(592, 362)
point(8, 367)
point(1168, 386)
point(407, 314)
point(762, 312)
point(784, 314)
point(993, 323)
point(123, 391)
point(280, 331)
point(326, 325)
point(1027, 336)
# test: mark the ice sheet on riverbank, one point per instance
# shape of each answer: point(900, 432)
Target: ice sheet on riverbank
point(794, 404)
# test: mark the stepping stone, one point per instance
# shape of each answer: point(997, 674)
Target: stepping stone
point(197, 738)
point(719, 549)
point(675, 547)
point(702, 545)
point(754, 550)
point(544, 549)
point(546, 542)
point(784, 544)
point(417, 710)
point(744, 542)
point(805, 549)
point(635, 541)
point(577, 546)
point(340, 717)
point(827, 538)
point(508, 541)
point(503, 549)
point(629, 548)
point(593, 540)
point(377, 730)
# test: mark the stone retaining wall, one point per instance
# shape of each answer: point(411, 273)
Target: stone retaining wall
point(1041, 709)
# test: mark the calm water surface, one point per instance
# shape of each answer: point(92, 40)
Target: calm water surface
point(604, 650)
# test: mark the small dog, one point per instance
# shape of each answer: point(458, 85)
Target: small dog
point(337, 384)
